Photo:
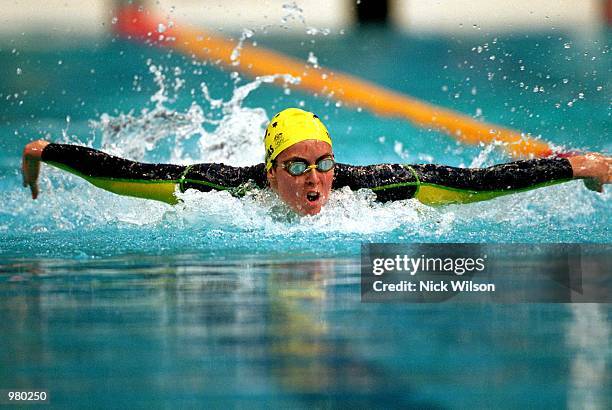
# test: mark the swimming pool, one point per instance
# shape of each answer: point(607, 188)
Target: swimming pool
point(219, 301)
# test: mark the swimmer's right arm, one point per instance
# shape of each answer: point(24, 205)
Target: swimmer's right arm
point(130, 178)
point(114, 174)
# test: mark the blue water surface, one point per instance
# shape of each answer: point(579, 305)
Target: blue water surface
point(114, 301)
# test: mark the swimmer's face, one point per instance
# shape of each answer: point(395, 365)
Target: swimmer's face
point(306, 193)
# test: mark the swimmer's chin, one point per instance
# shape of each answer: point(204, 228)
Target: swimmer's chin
point(305, 208)
point(311, 212)
point(311, 208)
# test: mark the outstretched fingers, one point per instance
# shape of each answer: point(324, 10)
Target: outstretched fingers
point(30, 165)
point(24, 173)
point(34, 189)
point(31, 169)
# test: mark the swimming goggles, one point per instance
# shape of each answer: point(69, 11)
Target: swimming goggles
point(300, 167)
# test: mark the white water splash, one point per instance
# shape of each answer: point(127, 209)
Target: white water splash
point(294, 12)
point(239, 134)
point(485, 158)
point(313, 31)
point(263, 212)
point(235, 56)
point(313, 60)
point(235, 138)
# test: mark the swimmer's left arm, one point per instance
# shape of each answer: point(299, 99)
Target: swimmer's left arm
point(437, 184)
point(441, 185)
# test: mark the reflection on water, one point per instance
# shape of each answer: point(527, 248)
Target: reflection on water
point(194, 330)
point(588, 338)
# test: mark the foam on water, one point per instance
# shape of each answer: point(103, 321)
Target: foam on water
point(346, 212)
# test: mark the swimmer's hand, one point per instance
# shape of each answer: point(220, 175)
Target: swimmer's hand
point(30, 164)
point(596, 170)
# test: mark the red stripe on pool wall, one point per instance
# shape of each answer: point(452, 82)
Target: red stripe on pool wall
point(135, 23)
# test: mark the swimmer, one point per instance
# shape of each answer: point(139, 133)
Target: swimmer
point(301, 169)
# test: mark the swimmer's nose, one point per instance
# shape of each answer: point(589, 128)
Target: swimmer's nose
point(312, 176)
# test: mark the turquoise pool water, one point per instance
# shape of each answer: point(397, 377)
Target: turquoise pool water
point(220, 302)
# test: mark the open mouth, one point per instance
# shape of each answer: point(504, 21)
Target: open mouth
point(313, 196)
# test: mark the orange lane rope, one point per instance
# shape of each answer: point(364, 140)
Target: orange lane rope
point(256, 61)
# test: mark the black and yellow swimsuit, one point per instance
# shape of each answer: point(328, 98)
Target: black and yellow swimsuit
point(430, 184)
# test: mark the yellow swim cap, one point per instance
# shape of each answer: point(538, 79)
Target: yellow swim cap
point(289, 127)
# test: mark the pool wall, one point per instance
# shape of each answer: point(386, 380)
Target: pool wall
point(93, 17)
